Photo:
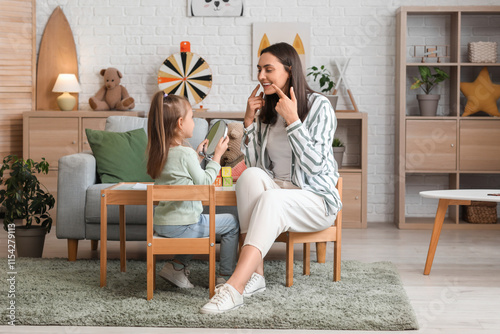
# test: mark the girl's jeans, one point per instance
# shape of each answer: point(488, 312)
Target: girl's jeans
point(226, 226)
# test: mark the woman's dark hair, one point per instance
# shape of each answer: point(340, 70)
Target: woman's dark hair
point(288, 56)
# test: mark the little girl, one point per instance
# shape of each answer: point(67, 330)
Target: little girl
point(170, 123)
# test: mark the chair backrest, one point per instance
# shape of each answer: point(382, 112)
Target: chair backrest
point(338, 220)
point(157, 193)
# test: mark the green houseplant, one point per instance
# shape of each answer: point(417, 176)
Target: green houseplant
point(428, 103)
point(338, 151)
point(326, 84)
point(23, 198)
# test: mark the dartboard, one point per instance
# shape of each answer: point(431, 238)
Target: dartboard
point(185, 74)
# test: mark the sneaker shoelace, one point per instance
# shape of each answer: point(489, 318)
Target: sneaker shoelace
point(252, 280)
point(222, 294)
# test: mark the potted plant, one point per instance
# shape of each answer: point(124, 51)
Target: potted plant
point(326, 84)
point(23, 199)
point(427, 102)
point(338, 151)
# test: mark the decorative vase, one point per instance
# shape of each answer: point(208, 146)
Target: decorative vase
point(30, 241)
point(333, 100)
point(428, 104)
point(338, 154)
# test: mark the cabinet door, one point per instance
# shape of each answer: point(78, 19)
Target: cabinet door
point(431, 145)
point(351, 198)
point(94, 123)
point(52, 138)
point(479, 145)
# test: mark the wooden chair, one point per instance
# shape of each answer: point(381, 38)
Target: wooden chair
point(159, 245)
point(332, 233)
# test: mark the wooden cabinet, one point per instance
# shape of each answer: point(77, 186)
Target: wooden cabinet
point(352, 130)
point(431, 145)
point(53, 134)
point(447, 151)
point(479, 145)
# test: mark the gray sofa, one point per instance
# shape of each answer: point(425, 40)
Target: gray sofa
point(79, 188)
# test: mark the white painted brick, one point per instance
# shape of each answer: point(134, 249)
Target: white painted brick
point(137, 35)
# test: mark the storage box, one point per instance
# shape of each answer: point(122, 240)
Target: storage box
point(481, 212)
point(483, 52)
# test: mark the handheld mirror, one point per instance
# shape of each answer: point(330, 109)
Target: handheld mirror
point(218, 131)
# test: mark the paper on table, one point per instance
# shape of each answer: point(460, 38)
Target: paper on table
point(140, 186)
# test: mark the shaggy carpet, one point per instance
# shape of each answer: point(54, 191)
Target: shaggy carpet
point(370, 296)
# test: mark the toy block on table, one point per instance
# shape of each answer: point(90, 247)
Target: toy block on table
point(218, 181)
point(227, 181)
point(226, 172)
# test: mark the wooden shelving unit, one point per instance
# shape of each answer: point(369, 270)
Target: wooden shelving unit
point(53, 134)
point(447, 146)
point(352, 129)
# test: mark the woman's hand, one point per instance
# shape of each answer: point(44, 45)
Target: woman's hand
point(254, 103)
point(220, 149)
point(286, 107)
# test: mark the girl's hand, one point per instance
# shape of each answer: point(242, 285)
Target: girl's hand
point(254, 103)
point(287, 107)
point(201, 148)
point(220, 149)
point(203, 145)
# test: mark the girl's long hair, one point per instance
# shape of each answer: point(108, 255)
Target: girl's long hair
point(163, 115)
point(288, 56)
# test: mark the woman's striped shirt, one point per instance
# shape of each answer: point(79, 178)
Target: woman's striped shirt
point(313, 166)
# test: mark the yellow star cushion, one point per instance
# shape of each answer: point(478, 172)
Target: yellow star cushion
point(482, 95)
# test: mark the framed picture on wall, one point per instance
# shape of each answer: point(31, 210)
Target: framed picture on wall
point(296, 34)
point(216, 7)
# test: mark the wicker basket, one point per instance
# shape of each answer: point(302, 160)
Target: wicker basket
point(481, 212)
point(483, 52)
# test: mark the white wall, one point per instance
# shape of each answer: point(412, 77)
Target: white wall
point(135, 36)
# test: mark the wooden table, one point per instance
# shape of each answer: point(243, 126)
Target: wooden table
point(131, 193)
point(452, 197)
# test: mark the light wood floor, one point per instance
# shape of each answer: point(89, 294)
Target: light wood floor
point(461, 295)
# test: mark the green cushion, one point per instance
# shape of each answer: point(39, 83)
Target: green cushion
point(120, 156)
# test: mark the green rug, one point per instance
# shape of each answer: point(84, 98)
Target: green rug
point(370, 296)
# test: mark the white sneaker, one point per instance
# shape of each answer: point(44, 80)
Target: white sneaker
point(177, 277)
point(226, 298)
point(256, 284)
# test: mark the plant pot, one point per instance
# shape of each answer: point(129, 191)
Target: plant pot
point(428, 104)
point(338, 154)
point(30, 241)
point(333, 100)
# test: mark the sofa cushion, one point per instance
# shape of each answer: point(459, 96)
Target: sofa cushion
point(127, 123)
point(135, 214)
point(120, 156)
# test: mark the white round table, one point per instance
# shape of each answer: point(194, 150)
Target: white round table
point(452, 197)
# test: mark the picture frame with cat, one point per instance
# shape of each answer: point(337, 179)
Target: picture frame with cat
point(216, 7)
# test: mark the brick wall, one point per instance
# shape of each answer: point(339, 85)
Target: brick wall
point(135, 36)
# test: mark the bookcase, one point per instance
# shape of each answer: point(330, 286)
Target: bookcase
point(446, 151)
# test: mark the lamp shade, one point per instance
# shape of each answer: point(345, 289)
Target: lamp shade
point(66, 83)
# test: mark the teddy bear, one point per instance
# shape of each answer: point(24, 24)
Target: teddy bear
point(112, 95)
point(233, 157)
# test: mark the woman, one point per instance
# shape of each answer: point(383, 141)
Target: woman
point(290, 185)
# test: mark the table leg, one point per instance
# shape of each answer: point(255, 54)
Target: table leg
point(436, 231)
point(123, 240)
point(104, 238)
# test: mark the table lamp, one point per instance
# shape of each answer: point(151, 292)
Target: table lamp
point(65, 84)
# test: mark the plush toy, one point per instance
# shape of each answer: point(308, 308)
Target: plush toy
point(233, 157)
point(112, 96)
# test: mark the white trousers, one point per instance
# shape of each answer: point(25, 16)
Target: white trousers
point(265, 210)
